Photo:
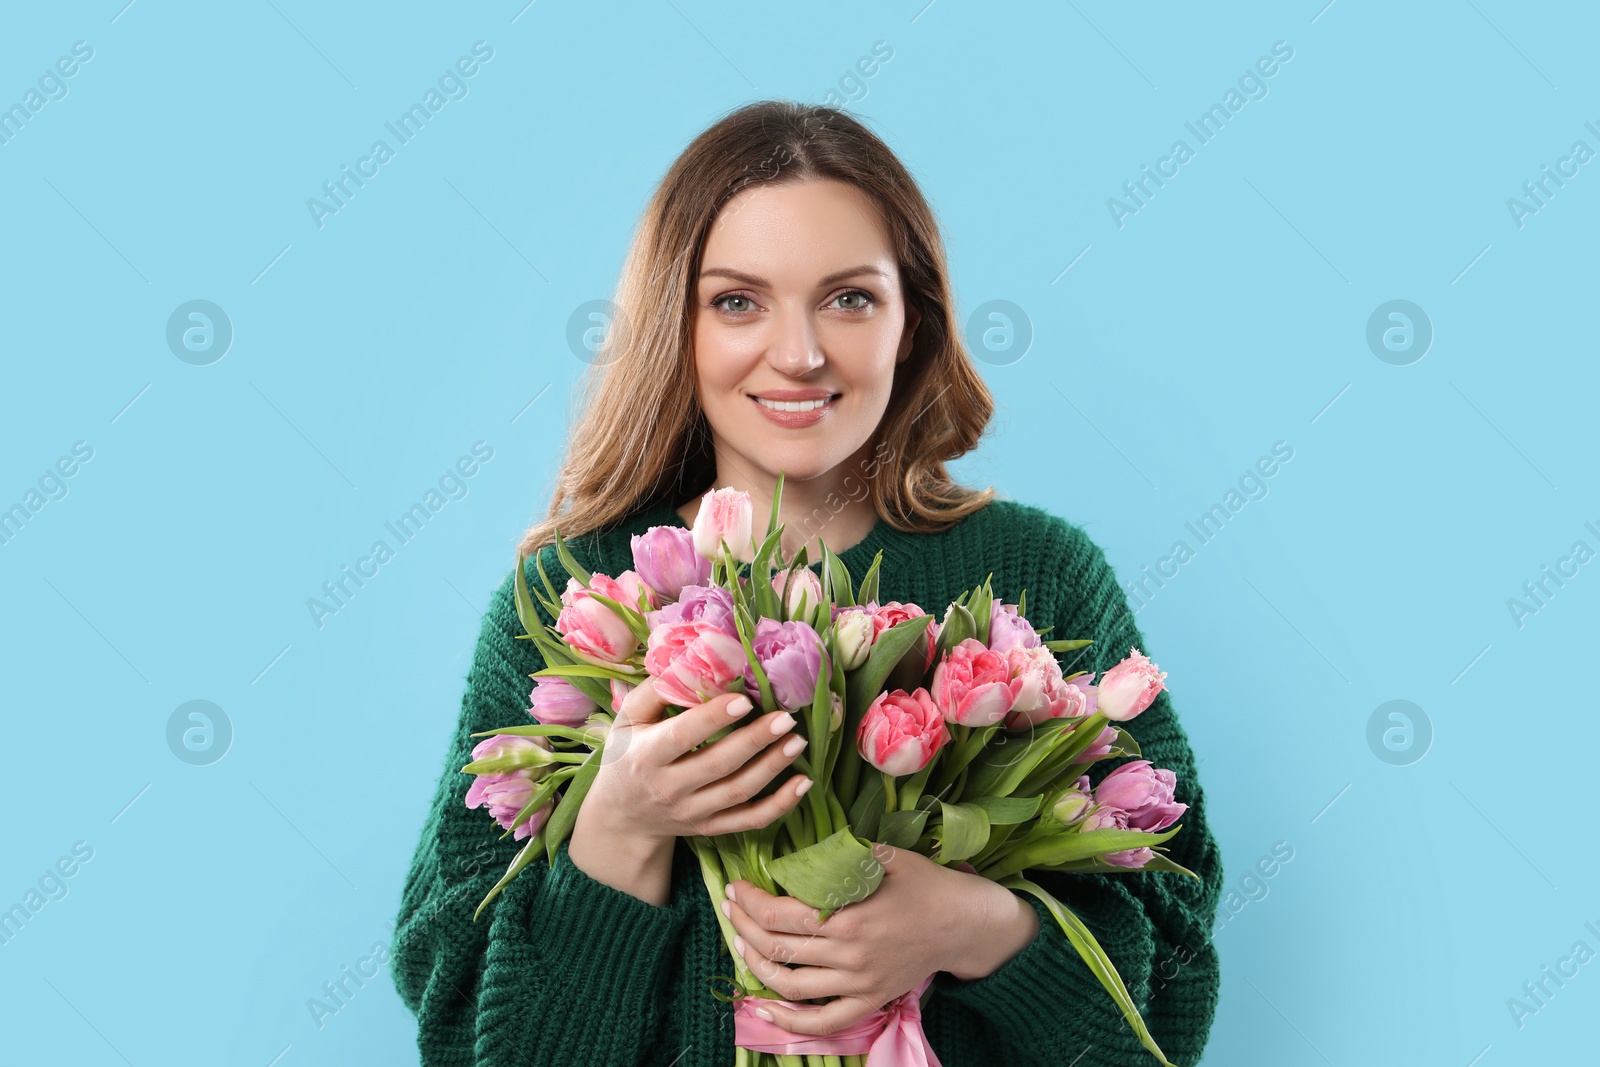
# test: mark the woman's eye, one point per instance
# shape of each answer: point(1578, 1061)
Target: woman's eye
point(856, 294)
point(721, 302)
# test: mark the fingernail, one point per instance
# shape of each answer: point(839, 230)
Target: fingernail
point(764, 1013)
point(800, 790)
point(727, 909)
point(793, 746)
point(739, 706)
point(727, 891)
point(782, 723)
point(738, 944)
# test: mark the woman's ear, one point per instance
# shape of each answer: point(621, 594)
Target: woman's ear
point(913, 319)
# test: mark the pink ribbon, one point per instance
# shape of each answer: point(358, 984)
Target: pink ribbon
point(891, 1036)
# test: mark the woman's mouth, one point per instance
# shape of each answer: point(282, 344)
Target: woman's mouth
point(796, 414)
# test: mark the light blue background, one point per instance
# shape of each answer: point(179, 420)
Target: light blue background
point(1229, 313)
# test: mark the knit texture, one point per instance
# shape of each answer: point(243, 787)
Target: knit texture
point(565, 970)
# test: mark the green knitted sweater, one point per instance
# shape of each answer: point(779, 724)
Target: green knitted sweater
point(566, 970)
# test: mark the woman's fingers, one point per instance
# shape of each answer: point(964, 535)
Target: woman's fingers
point(753, 776)
point(833, 1016)
point(755, 814)
point(728, 754)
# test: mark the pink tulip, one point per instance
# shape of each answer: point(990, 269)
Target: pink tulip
point(506, 793)
point(971, 685)
point(724, 515)
point(894, 613)
point(619, 692)
point(666, 560)
point(901, 731)
point(1106, 817)
point(1144, 793)
point(1037, 689)
point(694, 661)
point(556, 701)
point(805, 584)
point(1130, 687)
point(592, 629)
point(1008, 630)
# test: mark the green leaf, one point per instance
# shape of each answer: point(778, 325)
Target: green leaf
point(865, 682)
point(566, 814)
point(869, 581)
point(552, 599)
point(867, 811)
point(522, 859)
point(958, 625)
point(777, 495)
point(531, 623)
point(843, 592)
point(589, 670)
point(539, 729)
point(963, 832)
point(838, 870)
point(1009, 757)
point(902, 828)
point(574, 568)
point(1098, 962)
point(1068, 646)
point(1156, 862)
point(1008, 811)
point(1064, 848)
point(981, 608)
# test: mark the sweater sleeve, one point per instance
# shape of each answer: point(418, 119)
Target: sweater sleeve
point(1043, 1006)
point(560, 968)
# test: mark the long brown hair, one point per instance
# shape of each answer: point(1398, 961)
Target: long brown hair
point(642, 437)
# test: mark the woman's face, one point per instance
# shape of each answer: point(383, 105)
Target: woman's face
point(799, 297)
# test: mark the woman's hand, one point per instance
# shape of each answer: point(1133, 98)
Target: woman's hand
point(655, 785)
point(923, 917)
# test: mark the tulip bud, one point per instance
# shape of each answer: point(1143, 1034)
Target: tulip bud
point(854, 631)
point(724, 515)
point(1073, 804)
point(805, 589)
point(836, 712)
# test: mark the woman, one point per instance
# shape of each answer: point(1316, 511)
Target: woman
point(785, 308)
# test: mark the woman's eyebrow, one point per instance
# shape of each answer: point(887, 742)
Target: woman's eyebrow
point(762, 283)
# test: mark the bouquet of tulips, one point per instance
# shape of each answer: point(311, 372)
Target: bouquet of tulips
point(959, 738)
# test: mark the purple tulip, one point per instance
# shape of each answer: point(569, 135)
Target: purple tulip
point(697, 603)
point(1008, 630)
point(557, 702)
point(1144, 793)
point(791, 655)
point(665, 558)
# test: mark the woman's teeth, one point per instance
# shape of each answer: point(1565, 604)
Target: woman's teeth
point(793, 405)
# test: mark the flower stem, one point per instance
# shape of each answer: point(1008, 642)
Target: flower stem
point(889, 792)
